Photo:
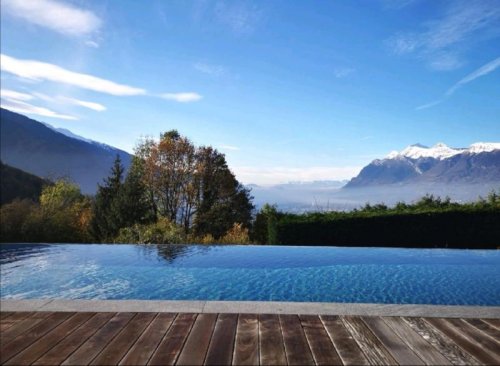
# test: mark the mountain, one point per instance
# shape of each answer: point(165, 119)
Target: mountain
point(49, 153)
point(440, 164)
point(19, 184)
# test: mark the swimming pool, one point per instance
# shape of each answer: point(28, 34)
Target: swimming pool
point(264, 273)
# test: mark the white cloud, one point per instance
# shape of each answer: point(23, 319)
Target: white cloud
point(12, 94)
point(277, 175)
point(439, 42)
point(212, 70)
point(36, 70)
point(483, 70)
point(182, 97)
point(26, 108)
point(82, 103)
point(92, 44)
point(55, 15)
point(229, 147)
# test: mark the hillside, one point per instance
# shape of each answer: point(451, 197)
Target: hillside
point(18, 184)
point(33, 147)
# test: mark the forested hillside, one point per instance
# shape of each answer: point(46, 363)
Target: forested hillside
point(16, 183)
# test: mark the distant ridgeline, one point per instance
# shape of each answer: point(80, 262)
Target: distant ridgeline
point(46, 152)
point(19, 184)
point(429, 223)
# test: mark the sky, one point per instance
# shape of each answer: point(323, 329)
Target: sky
point(288, 90)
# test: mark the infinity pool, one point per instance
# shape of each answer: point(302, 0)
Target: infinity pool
point(278, 273)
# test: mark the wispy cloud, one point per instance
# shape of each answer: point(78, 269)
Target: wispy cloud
point(242, 18)
point(61, 17)
point(229, 147)
point(38, 71)
point(186, 97)
point(343, 72)
point(276, 175)
point(212, 70)
point(482, 71)
point(15, 95)
point(83, 103)
point(442, 42)
point(27, 108)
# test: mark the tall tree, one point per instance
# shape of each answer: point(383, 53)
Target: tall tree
point(193, 186)
point(106, 220)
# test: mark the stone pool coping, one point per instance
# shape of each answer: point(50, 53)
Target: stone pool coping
point(256, 307)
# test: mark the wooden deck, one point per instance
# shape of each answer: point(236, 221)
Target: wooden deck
point(45, 338)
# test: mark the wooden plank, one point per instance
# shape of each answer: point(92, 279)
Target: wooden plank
point(246, 348)
point(24, 340)
point(371, 346)
point(344, 343)
point(68, 345)
point(171, 345)
point(441, 342)
point(22, 326)
point(493, 322)
point(296, 347)
point(472, 332)
point(220, 350)
point(96, 343)
point(196, 346)
point(469, 344)
point(142, 350)
point(42, 345)
point(419, 345)
point(320, 344)
point(485, 327)
point(392, 342)
point(272, 351)
point(12, 318)
point(119, 346)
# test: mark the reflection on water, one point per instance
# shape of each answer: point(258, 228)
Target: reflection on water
point(262, 273)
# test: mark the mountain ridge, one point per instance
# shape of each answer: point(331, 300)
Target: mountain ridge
point(37, 149)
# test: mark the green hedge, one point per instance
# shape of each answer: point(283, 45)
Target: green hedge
point(449, 229)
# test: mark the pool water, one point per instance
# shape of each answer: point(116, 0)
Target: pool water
point(264, 273)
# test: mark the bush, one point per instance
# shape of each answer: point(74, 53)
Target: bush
point(161, 232)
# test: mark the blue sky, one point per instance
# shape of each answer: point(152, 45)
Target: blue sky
point(288, 90)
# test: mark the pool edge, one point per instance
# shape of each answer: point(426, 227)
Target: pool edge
point(256, 307)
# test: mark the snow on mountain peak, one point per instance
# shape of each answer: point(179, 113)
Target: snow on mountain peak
point(441, 151)
point(480, 147)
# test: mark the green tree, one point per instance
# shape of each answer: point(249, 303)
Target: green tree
point(106, 220)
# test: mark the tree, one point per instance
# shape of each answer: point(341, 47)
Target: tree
point(107, 217)
point(192, 186)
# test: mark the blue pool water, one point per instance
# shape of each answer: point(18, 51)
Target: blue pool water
point(278, 273)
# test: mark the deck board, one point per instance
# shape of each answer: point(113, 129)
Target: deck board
point(297, 349)
point(43, 344)
point(24, 340)
point(322, 348)
point(98, 341)
point(43, 338)
point(246, 348)
point(403, 354)
point(171, 345)
point(119, 346)
point(196, 347)
point(220, 351)
point(470, 344)
point(272, 351)
point(141, 351)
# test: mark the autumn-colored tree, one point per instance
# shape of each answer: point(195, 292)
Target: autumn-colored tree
point(192, 186)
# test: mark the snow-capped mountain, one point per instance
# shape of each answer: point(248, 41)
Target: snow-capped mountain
point(441, 151)
point(478, 163)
